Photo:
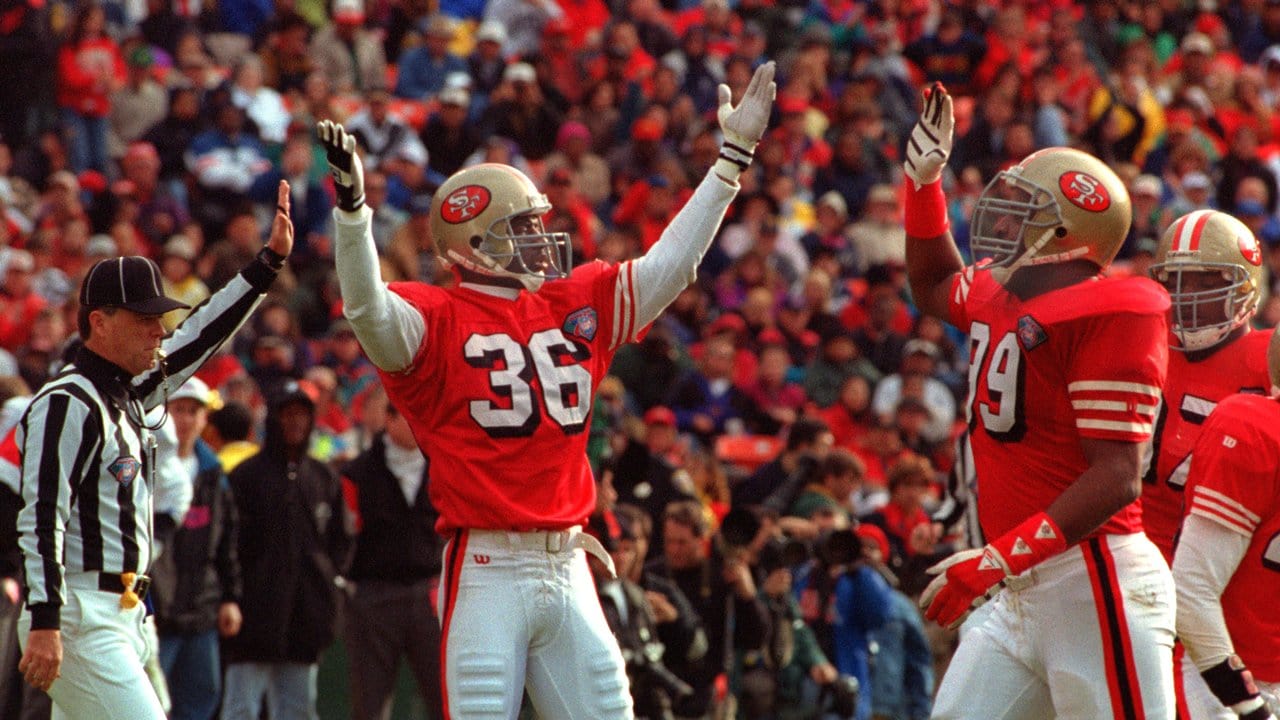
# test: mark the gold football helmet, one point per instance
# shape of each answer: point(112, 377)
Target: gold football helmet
point(1211, 265)
point(1058, 204)
point(487, 218)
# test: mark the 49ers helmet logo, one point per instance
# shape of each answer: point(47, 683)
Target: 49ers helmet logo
point(1084, 191)
point(464, 204)
point(1249, 249)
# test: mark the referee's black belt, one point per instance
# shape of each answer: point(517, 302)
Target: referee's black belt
point(114, 582)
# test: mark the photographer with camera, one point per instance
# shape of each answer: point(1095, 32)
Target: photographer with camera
point(714, 574)
point(634, 622)
point(844, 597)
point(792, 677)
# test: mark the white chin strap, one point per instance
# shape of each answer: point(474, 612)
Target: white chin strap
point(1202, 339)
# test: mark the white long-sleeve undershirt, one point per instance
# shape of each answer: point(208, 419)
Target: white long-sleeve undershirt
point(391, 330)
point(1207, 556)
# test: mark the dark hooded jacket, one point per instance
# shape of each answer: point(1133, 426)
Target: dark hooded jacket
point(292, 546)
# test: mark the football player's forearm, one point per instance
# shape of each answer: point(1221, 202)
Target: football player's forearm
point(389, 329)
point(1110, 483)
point(1206, 558)
point(672, 263)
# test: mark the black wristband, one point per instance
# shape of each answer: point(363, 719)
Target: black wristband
point(1228, 682)
point(271, 258)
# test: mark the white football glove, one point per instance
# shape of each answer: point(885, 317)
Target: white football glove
point(930, 143)
point(344, 164)
point(743, 126)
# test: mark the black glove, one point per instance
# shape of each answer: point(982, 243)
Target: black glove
point(344, 164)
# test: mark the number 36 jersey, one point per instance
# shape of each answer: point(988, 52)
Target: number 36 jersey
point(499, 395)
point(1084, 361)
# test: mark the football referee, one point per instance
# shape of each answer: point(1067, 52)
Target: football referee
point(88, 472)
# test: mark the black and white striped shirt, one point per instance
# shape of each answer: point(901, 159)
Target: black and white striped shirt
point(88, 458)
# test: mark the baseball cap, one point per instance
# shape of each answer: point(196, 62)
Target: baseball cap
point(1197, 42)
point(646, 128)
point(348, 11)
point(180, 246)
point(1196, 180)
point(492, 31)
point(835, 201)
point(519, 72)
point(132, 283)
point(1147, 185)
point(920, 346)
point(1271, 58)
point(102, 246)
point(455, 96)
point(660, 415)
point(20, 260)
point(193, 389)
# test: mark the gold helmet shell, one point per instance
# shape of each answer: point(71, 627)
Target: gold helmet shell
point(487, 218)
point(1058, 204)
point(1217, 244)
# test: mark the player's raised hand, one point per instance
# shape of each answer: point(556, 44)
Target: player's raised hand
point(744, 125)
point(344, 164)
point(281, 240)
point(929, 146)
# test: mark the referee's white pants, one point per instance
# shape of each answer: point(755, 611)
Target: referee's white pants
point(104, 649)
point(1085, 635)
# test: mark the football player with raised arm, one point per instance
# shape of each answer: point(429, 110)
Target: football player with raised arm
point(1227, 563)
point(1211, 265)
point(1065, 372)
point(496, 378)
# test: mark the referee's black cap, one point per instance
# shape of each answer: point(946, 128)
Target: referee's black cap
point(132, 283)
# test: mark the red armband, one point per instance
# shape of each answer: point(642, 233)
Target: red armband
point(926, 210)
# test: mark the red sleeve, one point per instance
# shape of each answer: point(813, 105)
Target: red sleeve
point(961, 285)
point(1233, 473)
point(1117, 368)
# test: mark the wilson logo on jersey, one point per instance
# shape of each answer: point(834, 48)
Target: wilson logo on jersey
point(465, 204)
point(125, 469)
point(1084, 191)
point(481, 559)
point(582, 323)
point(1228, 441)
point(1030, 334)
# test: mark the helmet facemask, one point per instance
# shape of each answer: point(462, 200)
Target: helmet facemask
point(1012, 207)
point(517, 246)
point(1208, 301)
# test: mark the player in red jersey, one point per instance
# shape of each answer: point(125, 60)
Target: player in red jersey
point(496, 377)
point(1211, 265)
point(1065, 372)
point(1227, 564)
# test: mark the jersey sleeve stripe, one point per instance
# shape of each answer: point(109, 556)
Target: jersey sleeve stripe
point(1115, 425)
point(1228, 501)
point(1228, 523)
point(1116, 405)
point(617, 312)
point(1114, 386)
point(633, 303)
point(1223, 512)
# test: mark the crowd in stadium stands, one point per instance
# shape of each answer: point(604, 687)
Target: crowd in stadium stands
point(790, 407)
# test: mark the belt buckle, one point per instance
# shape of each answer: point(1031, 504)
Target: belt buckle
point(556, 545)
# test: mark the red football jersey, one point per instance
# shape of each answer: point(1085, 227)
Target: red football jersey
point(1084, 361)
point(1235, 482)
point(499, 395)
point(1190, 393)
